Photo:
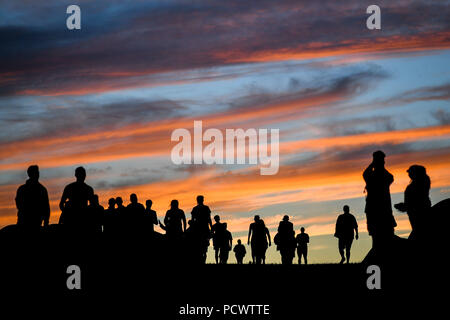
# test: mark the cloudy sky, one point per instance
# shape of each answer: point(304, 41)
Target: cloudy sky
point(108, 97)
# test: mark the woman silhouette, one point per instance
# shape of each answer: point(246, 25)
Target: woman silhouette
point(417, 200)
point(175, 221)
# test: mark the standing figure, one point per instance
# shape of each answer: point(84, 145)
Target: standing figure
point(150, 217)
point(239, 251)
point(258, 235)
point(226, 245)
point(380, 220)
point(201, 217)
point(32, 202)
point(286, 240)
point(96, 213)
point(74, 201)
point(346, 228)
point(302, 241)
point(217, 236)
point(417, 200)
point(174, 221)
point(110, 225)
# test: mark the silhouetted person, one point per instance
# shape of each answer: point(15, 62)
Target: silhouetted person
point(121, 211)
point(174, 221)
point(95, 216)
point(74, 200)
point(135, 215)
point(217, 234)
point(302, 241)
point(201, 217)
point(239, 252)
point(417, 200)
point(286, 240)
point(226, 245)
point(32, 202)
point(150, 217)
point(259, 234)
point(111, 217)
point(346, 229)
point(380, 221)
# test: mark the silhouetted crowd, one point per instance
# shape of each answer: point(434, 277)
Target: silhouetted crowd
point(81, 211)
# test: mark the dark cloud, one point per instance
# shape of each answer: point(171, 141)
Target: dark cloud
point(130, 39)
point(63, 120)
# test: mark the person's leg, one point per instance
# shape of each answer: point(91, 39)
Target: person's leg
point(305, 255)
point(299, 255)
point(216, 254)
point(348, 248)
point(341, 250)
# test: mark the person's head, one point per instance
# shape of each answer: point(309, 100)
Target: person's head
point(149, 203)
point(33, 172)
point(302, 230)
point(286, 218)
point(80, 174)
point(200, 199)
point(133, 198)
point(346, 209)
point(93, 200)
point(257, 218)
point(174, 204)
point(112, 202)
point(418, 175)
point(378, 159)
point(119, 201)
point(239, 241)
point(216, 218)
point(225, 226)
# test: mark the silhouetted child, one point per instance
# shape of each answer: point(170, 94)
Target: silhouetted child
point(95, 215)
point(239, 252)
point(111, 222)
point(302, 241)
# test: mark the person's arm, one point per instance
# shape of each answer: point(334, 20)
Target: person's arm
point(19, 199)
point(47, 208)
point(231, 242)
point(62, 203)
point(249, 234)
point(155, 218)
point(184, 221)
point(356, 229)
point(268, 235)
point(368, 172)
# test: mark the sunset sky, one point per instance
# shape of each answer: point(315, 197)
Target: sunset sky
point(108, 97)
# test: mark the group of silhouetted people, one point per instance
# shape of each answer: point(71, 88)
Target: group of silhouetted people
point(80, 210)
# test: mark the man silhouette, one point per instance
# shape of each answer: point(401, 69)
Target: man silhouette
point(32, 202)
point(226, 245)
point(217, 231)
point(74, 200)
point(302, 241)
point(135, 214)
point(286, 240)
point(150, 216)
point(346, 227)
point(239, 251)
point(201, 217)
point(380, 221)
